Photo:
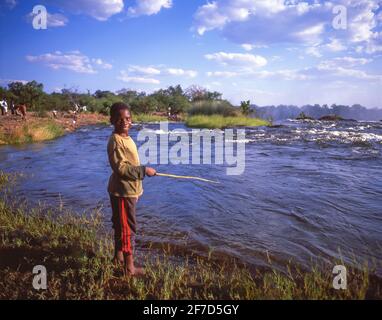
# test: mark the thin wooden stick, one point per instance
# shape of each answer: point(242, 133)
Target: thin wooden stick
point(184, 177)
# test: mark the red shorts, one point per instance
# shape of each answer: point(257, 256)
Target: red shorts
point(124, 223)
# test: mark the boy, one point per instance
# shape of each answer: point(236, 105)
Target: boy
point(125, 186)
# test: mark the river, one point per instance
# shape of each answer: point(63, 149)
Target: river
point(310, 189)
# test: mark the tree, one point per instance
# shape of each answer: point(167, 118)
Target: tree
point(178, 104)
point(144, 105)
point(245, 107)
point(29, 93)
point(103, 94)
point(3, 93)
point(197, 93)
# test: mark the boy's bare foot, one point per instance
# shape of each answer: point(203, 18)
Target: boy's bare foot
point(135, 272)
point(118, 258)
point(130, 269)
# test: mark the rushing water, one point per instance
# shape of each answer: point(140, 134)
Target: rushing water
point(309, 189)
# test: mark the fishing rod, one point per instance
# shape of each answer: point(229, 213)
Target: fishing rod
point(184, 177)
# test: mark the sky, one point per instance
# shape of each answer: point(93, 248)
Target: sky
point(268, 51)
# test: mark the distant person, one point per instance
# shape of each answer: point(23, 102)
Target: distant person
point(22, 110)
point(125, 186)
point(4, 107)
point(75, 118)
point(55, 114)
point(12, 107)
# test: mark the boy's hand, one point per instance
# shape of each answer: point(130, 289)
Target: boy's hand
point(150, 172)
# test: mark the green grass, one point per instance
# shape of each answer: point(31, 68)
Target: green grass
point(77, 250)
point(142, 117)
point(35, 132)
point(220, 122)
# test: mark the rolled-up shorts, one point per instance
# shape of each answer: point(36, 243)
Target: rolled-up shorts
point(124, 223)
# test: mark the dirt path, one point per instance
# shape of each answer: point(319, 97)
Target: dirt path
point(10, 122)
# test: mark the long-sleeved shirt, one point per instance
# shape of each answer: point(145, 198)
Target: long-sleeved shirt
point(127, 176)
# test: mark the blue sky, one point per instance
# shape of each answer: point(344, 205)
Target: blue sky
point(271, 52)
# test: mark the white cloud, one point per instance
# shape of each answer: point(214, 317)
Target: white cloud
point(337, 68)
point(363, 19)
point(244, 59)
point(250, 47)
point(311, 34)
point(323, 71)
point(333, 71)
point(264, 15)
point(341, 68)
point(247, 46)
point(313, 51)
point(345, 62)
point(73, 61)
point(102, 64)
point(144, 70)
point(125, 77)
point(335, 45)
point(148, 7)
point(294, 21)
point(101, 10)
point(209, 17)
point(284, 74)
point(145, 74)
point(181, 72)
point(222, 74)
point(55, 20)
point(215, 15)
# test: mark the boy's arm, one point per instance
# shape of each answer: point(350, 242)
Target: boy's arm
point(121, 167)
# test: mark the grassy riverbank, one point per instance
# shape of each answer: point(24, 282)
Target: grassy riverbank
point(34, 132)
point(147, 118)
point(76, 250)
point(43, 128)
point(15, 131)
point(220, 122)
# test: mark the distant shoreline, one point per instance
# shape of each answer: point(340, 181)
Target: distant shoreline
point(14, 131)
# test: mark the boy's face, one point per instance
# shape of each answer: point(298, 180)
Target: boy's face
point(123, 122)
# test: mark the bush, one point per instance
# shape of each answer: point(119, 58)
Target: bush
point(208, 108)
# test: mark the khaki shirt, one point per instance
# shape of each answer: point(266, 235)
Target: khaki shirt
point(127, 176)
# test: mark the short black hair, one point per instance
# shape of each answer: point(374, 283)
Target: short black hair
point(116, 108)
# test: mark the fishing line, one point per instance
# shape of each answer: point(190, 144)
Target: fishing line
point(184, 177)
